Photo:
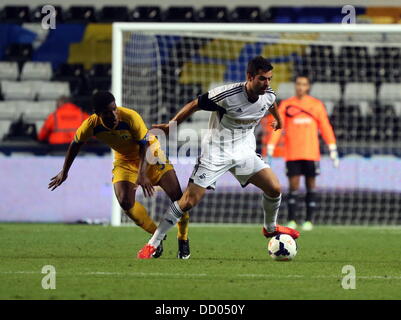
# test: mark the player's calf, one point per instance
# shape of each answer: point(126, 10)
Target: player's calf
point(191, 197)
point(171, 217)
point(271, 207)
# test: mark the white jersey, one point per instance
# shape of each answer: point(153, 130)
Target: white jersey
point(232, 122)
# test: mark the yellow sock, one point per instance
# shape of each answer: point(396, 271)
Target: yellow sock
point(182, 226)
point(140, 216)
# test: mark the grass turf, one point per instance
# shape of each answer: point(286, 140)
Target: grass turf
point(227, 262)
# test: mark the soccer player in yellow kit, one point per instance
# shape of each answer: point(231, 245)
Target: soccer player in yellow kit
point(126, 133)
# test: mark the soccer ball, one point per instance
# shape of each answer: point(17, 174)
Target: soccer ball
point(282, 247)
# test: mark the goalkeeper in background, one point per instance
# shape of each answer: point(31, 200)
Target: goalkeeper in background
point(303, 117)
point(124, 131)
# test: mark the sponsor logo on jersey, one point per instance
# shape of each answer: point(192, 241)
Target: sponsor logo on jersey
point(302, 120)
point(238, 110)
point(245, 121)
point(202, 176)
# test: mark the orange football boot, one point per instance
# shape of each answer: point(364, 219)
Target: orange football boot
point(146, 252)
point(281, 230)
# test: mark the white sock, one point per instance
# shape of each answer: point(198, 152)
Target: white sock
point(173, 214)
point(270, 208)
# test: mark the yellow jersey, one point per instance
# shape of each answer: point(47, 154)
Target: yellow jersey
point(124, 139)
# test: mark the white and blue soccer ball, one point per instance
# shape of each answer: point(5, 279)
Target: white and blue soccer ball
point(282, 247)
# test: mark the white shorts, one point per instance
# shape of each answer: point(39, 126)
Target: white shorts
point(206, 175)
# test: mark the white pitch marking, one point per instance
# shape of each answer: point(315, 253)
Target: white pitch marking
point(242, 275)
point(317, 277)
point(105, 273)
point(145, 274)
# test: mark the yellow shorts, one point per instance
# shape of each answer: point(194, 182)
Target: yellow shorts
point(124, 170)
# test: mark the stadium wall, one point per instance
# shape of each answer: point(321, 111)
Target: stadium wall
point(87, 192)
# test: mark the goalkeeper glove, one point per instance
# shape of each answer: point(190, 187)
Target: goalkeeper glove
point(334, 155)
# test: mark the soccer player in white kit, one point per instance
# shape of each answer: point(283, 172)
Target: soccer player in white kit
point(230, 145)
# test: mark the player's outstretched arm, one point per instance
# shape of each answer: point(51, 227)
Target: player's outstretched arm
point(181, 116)
point(72, 152)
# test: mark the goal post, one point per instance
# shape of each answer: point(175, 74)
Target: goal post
point(158, 67)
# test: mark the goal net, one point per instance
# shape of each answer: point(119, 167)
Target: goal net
point(355, 71)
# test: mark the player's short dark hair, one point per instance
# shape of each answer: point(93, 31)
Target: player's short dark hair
point(303, 76)
point(100, 100)
point(258, 63)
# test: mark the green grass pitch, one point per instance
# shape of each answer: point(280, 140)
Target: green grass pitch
point(227, 262)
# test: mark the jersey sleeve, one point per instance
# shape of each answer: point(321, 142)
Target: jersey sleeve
point(325, 128)
point(213, 100)
point(84, 132)
point(271, 98)
point(139, 129)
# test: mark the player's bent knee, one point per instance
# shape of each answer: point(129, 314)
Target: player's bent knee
point(176, 196)
point(187, 202)
point(274, 191)
point(277, 190)
point(126, 203)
